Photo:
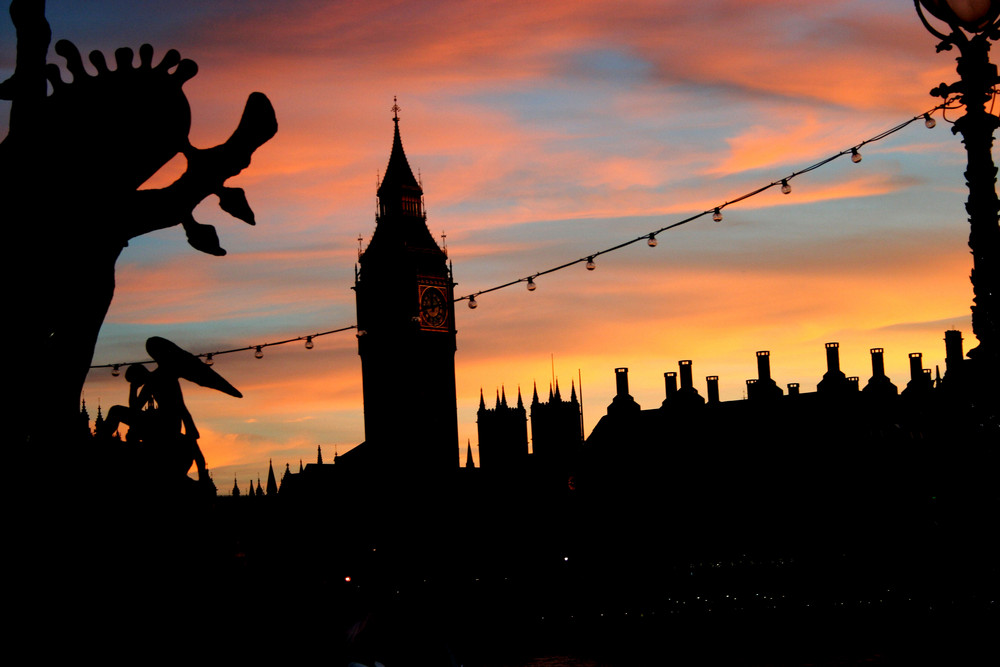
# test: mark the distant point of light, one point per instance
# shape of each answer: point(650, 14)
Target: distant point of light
point(209, 360)
point(928, 121)
point(652, 241)
point(472, 302)
point(590, 264)
point(785, 187)
point(258, 352)
point(309, 343)
point(115, 370)
point(717, 215)
point(347, 579)
point(855, 156)
point(531, 285)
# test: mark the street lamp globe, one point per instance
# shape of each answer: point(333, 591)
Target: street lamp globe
point(971, 15)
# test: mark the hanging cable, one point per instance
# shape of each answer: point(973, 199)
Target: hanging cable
point(210, 356)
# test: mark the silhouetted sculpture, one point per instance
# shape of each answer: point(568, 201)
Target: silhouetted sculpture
point(156, 407)
point(70, 169)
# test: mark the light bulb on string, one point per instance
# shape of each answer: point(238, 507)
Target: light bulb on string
point(717, 215)
point(472, 303)
point(531, 285)
point(115, 370)
point(590, 264)
point(855, 156)
point(309, 343)
point(651, 242)
point(785, 187)
point(258, 352)
point(209, 360)
point(928, 121)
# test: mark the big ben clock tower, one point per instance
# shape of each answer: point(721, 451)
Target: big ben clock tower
point(406, 333)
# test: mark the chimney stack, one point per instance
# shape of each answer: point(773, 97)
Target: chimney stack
point(713, 388)
point(670, 380)
point(686, 381)
point(878, 363)
point(952, 348)
point(621, 381)
point(833, 357)
point(623, 403)
point(916, 366)
point(879, 385)
point(793, 388)
point(687, 394)
point(763, 365)
point(953, 355)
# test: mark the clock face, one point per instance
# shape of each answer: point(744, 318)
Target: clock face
point(433, 308)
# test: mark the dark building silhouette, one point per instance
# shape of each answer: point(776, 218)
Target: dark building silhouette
point(406, 335)
point(556, 429)
point(503, 435)
point(556, 437)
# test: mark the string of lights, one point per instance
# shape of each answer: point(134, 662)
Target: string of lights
point(649, 237)
point(716, 211)
point(258, 350)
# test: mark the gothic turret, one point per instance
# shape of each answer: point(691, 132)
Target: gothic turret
point(503, 435)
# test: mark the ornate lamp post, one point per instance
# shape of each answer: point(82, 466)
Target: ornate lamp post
point(974, 24)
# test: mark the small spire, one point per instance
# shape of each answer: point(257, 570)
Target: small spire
point(503, 397)
point(550, 392)
point(300, 465)
point(469, 463)
point(272, 483)
point(482, 402)
point(236, 488)
point(319, 455)
point(572, 391)
point(497, 406)
point(520, 403)
point(558, 396)
point(534, 397)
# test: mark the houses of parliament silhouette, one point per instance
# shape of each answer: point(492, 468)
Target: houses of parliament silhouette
point(407, 343)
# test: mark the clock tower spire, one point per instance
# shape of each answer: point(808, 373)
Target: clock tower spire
point(406, 332)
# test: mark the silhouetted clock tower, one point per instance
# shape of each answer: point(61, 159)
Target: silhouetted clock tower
point(406, 333)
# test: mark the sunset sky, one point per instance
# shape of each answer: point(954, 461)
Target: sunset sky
point(544, 132)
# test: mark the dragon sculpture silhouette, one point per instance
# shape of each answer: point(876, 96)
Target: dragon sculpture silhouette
point(70, 170)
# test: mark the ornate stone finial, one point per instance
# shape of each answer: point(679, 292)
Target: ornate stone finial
point(395, 109)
